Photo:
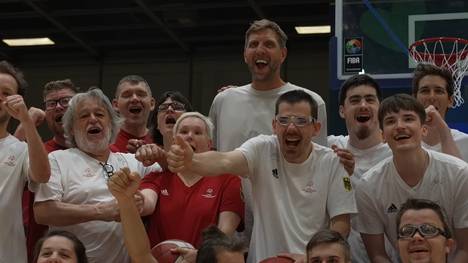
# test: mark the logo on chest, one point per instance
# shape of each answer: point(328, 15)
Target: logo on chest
point(164, 192)
point(309, 188)
point(88, 172)
point(10, 161)
point(209, 193)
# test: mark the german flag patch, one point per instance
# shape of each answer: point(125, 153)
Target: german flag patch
point(347, 184)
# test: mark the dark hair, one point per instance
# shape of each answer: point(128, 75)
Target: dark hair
point(328, 236)
point(263, 24)
point(133, 80)
point(78, 246)
point(7, 68)
point(399, 102)
point(214, 242)
point(425, 69)
point(419, 204)
point(296, 96)
point(358, 80)
point(56, 85)
point(175, 96)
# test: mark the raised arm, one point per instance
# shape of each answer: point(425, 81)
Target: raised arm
point(123, 185)
point(436, 124)
point(39, 168)
point(182, 159)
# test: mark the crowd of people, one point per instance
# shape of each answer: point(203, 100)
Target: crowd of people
point(259, 178)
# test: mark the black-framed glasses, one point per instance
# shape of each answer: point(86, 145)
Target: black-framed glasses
point(52, 104)
point(425, 230)
point(176, 106)
point(108, 169)
point(299, 121)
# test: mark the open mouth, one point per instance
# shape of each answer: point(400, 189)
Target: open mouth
point(135, 110)
point(94, 130)
point(170, 120)
point(261, 63)
point(293, 141)
point(400, 137)
point(58, 119)
point(363, 118)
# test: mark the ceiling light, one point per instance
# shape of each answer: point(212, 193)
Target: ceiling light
point(29, 41)
point(313, 29)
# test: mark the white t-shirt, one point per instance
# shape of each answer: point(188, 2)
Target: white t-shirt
point(14, 166)
point(461, 140)
point(381, 192)
point(293, 201)
point(364, 159)
point(242, 113)
point(78, 178)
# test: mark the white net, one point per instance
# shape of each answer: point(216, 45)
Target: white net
point(450, 53)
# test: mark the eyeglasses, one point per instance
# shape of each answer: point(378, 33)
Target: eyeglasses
point(296, 120)
point(108, 169)
point(52, 104)
point(425, 230)
point(176, 106)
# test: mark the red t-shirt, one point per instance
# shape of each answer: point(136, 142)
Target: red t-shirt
point(121, 141)
point(184, 212)
point(35, 231)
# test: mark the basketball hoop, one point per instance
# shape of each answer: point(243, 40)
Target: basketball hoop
point(446, 52)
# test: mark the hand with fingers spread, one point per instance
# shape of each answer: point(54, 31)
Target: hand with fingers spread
point(346, 158)
point(148, 154)
point(134, 144)
point(188, 255)
point(179, 158)
point(16, 107)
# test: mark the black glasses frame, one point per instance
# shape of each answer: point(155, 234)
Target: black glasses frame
point(420, 230)
point(52, 104)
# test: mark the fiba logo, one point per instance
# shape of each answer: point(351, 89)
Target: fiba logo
point(353, 46)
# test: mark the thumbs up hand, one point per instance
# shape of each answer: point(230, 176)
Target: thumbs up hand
point(179, 158)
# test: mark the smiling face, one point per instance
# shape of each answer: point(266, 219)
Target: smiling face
point(403, 130)
point(57, 249)
point(360, 111)
point(295, 142)
point(419, 249)
point(168, 117)
point(263, 55)
point(92, 126)
point(134, 103)
point(194, 131)
point(54, 115)
point(432, 90)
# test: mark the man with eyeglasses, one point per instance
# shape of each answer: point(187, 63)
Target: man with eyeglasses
point(423, 232)
point(412, 172)
point(76, 198)
point(134, 103)
point(298, 186)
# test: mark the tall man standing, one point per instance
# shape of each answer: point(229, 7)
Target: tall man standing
point(245, 112)
point(19, 163)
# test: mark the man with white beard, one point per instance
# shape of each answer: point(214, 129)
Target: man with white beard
point(76, 198)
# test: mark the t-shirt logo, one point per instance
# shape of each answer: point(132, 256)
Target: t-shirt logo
point(209, 193)
point(274, 172)
point(347, 184)
point(309, 188)
point(164, 192)
point(11, 161)
point(88, 172)
point(392, 209)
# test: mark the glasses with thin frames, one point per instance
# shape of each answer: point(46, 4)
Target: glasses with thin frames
point(176, 106)
point(108, 169)
point(52, 104)
point(298, 121)
point(425, 230)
